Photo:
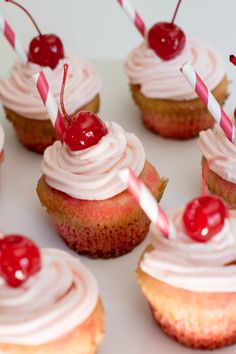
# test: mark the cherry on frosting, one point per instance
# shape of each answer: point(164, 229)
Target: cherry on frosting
point(83, 131)
point(19, 259)
point(204, 217)
point(44, 49)
point(167, 39)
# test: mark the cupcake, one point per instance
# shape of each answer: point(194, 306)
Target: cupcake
point(91, 208)
point(27, 113)
point(189, 282)
point(21, 101)
point(49, 304)
point(221, 176)
point(218, 157)
point(166, 102)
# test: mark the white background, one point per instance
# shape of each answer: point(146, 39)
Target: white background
point(98, 30)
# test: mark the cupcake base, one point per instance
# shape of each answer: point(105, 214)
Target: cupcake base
point(195, 319)
point(84, 339)
point(101, 229)
point(177, 119)
point(217, 185)
point(37, 135)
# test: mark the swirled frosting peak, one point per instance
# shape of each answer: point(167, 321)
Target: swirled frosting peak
point(187, 264)
point(214, 144)
point(19, 93)
point(162, 79)
point(50, 304)
point(92, 174)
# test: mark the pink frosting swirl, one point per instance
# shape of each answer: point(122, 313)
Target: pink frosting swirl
point(19, 93)
point(162, 79)
point(92, 174)
point(50, 304)
point(213, 143)
point(195, 266)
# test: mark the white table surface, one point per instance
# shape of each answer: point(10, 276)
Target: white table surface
point(129, 326)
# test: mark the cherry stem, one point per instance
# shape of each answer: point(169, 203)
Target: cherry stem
point(27, 13)
point(206, 171)
point(66, 116)
point(176, 10)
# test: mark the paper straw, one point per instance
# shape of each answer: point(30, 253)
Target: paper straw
point(209, 100)
point(13, 40)
point(148, 203)
point(50, 103)
point(134, 16)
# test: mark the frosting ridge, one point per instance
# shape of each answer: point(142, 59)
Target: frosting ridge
point(185, 263)
point(162, 79)
point(91, 174)
point(19, 93)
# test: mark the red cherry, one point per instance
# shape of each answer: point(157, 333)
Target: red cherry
point(232, 59)
point(44, 49)
point(87, 130)
point(204, 217)
point(19, 259)
point(166, 39)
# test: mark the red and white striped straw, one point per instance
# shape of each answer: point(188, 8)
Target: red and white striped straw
point(50, 103)
point(148, 203)
point(13, 40)
point(134, 16)
point(209, 100)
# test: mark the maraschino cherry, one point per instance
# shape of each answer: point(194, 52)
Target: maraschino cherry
point(204, 217)
point(85, 130)
point(166, 38)
point(44, 49)
point(19, 259)
point(232, 59)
